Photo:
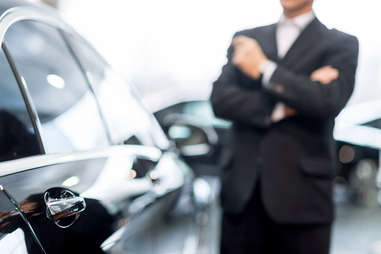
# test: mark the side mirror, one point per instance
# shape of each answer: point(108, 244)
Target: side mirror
point(191, 140)
point(191, 136)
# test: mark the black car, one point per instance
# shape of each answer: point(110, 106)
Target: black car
point(84, 168)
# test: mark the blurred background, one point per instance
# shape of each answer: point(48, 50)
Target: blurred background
point(170, 44)
point(172, 51)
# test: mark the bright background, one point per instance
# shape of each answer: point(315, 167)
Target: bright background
point(177, 47)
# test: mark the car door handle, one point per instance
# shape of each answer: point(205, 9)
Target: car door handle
point(63, 206)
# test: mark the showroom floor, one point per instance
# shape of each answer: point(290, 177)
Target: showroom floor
point(357, 230)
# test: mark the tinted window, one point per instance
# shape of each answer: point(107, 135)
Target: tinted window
point(125, 116)
point(67, 110)
point(17, 136)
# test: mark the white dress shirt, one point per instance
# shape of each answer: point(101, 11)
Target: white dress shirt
point(288, 30)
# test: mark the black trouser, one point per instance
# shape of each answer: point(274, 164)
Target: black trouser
point(254, 232)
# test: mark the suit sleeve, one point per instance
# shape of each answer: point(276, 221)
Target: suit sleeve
point(233, 102)
point(313, 98)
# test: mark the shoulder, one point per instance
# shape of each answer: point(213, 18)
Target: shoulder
point(340, 37)
point(256, 32)
point(339, 43)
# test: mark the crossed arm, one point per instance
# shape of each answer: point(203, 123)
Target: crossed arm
point(231, 101)
point(325, 75)
point(323, 94)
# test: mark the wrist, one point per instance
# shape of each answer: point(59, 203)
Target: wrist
point(263, 65)
point(267, 69)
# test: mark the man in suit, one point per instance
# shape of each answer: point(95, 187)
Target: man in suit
point(282, 87)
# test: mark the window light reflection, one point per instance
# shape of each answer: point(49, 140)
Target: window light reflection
point(55, 81)
point(71, 181)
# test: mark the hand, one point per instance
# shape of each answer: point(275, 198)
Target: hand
point(325, 75)
point(289, 111)
point(248, 56)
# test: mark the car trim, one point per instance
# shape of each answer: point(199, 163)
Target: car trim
point(31, 109)
point(42, 14)
point(38, 161)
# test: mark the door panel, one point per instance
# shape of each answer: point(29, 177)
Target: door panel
point(115, 195)
point(28, 189)
point(152, 221)
point(16, 237)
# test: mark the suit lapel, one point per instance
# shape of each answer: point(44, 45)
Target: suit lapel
point(269, 44)
point(308, 38)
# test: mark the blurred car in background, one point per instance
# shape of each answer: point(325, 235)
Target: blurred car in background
point(84, 168)
point(203, 141)
point(202, 138)
point(358, 134)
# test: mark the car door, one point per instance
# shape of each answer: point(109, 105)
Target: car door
point(83, 190)
point(59, 99)
point(16, 234)
point(203, 139)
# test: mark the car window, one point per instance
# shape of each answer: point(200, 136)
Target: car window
point(17, 136)
point(66, 108)
point(126, 117)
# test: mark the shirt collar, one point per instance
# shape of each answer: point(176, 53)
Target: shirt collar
point(300, 21)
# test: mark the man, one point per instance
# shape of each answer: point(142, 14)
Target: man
point(282, 87)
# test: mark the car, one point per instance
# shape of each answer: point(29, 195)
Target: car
point(358, 135)
point(84, 167)
point(203, 140)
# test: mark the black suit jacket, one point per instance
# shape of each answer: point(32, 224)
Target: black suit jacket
point(294, 158)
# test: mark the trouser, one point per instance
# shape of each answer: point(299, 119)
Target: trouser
point(253, 231)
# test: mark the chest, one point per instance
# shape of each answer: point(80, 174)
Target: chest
point(301, 53)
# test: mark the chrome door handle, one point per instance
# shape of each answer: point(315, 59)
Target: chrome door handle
point(63, 206)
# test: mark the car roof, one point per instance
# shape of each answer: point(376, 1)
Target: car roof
point(7, 82)
point(8, 4)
